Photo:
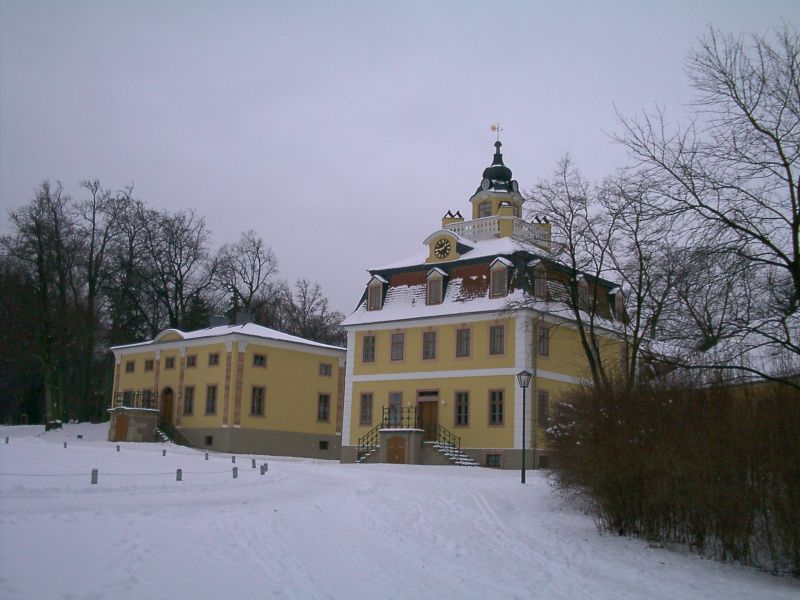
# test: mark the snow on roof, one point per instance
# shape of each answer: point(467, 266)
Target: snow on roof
point(405, 302)
point(249, 329)
point(482, 249)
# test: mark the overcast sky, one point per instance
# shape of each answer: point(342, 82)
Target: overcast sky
point(340, 131)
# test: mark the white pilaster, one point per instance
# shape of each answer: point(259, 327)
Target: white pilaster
point(348, 388)
point(523, 341)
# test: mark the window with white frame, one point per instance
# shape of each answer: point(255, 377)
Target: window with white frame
point(434, 288)
point(375, 296)
point(540, 282)
point(498, 276)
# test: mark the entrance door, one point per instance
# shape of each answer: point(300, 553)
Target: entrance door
point(121, 428)
point(167, 398)
point(396, 450)
point(429, 419)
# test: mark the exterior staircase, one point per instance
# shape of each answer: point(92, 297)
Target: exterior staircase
point(167, 433)
point(455, 455)
point(441, 439)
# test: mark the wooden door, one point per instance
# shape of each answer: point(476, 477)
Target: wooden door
point(429, 419)
point(167, 397)
point(396, 450)
point(121, 428)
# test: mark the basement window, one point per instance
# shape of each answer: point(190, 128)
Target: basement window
point(494, 460)
point(323, 444)
point(209, 440)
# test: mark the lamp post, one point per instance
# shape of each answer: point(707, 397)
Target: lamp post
point(524, 379)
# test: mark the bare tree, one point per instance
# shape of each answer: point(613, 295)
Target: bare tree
point(730, 178)
point(177, 252)
point(309, 316)
point(244, 268)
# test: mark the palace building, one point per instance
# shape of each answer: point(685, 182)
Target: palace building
point(232, 388)
point(436, 342)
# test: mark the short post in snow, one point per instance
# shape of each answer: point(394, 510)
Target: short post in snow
point(254, 463)
point(233, 459)
point(6, 439)
point(179, 475)
point(263, 470)
point(164, 452)
point(524, 379)
point(65, 444)
point(206, 455)
point(235, 472)
point(94, 476)
point(117, 447)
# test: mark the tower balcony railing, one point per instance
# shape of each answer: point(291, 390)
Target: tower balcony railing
point(489, 227)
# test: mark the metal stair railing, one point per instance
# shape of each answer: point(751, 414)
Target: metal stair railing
point(368, 442)
point(449, 440)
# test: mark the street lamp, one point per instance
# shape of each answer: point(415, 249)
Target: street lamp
point(524, 379)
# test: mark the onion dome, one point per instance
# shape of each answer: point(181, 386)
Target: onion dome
point(497, 177)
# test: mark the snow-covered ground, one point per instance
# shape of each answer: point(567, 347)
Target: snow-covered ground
point(311, 529)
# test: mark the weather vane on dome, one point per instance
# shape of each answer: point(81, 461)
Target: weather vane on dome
point(497, 129)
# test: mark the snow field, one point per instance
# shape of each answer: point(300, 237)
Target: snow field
point(311, 529)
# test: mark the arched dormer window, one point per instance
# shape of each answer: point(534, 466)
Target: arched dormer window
point(435, 287)
point(375, 289)
point(539, 280)
point(498, 277)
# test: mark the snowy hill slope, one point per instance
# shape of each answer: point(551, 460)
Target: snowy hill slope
point(311, 529)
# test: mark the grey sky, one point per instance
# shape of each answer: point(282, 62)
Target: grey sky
point(340, 131)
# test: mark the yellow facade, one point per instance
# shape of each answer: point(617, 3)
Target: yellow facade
point(478, 275)
point(227, 386)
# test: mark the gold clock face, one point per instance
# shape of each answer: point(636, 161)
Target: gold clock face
point(442, 248)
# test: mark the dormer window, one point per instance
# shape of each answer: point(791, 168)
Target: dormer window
point(484, 209)
point(435, 287)
point(618, 303)
point(583, 293)
point(498, 276)
point(375, 293)
point(539, 280)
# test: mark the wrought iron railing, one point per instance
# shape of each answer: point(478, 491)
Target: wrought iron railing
point(368, 442)
point(400, 417)
point(135, 399)
point(449, 440)
point(407, 417)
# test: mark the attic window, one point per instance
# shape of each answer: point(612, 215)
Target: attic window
point(435, 287)
point(498, 274)
point(583, 293)
point(375, 296)
point(619, 305)
point(540, 282)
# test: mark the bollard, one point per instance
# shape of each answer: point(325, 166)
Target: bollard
point(266, 467)
point(235, 472)
point(179, 475)
point(94, 476)
point(206, 455)
point(233, 458)
point(6, 439)
point(80, 436)
point(65, 444)
point(263, 470)
point(164, 452)
point(254, 463)
point(117, 447)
